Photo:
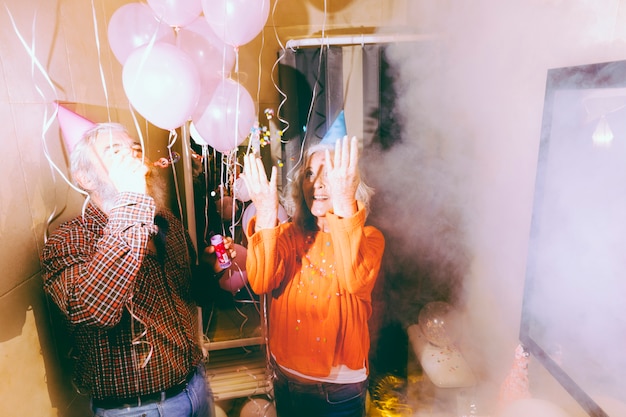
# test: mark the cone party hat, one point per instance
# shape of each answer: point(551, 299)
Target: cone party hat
point(336, 131)
point(72, 125)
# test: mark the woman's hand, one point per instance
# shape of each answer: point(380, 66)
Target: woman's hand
point(343, 176)
point(263, 193)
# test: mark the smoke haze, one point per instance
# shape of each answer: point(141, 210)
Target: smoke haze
point(454, 196)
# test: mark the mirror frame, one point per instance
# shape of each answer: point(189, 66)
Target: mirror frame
point(593, 76)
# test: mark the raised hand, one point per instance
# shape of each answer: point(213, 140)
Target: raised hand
point(343, 176)
point(263, 193)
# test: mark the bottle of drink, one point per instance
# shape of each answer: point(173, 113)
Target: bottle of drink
point(217, 241)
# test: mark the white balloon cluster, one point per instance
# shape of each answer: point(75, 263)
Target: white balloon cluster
point(177, 56)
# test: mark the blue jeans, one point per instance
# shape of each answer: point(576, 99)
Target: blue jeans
point(321, 399)
point(195, 401)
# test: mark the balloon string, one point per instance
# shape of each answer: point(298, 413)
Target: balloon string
point(223, 181)
point(205, 163)
point(138, 338)
point(251, 295)
point(244, 321)
point(314, 92)
point(171, 142)
point(97, 36)
point(47, 121)
point(229, 160)
point(144, 57)
point(284, 96)
point(237, 100)
point(324, 18)
point(145, 54)
point(233, 208)
point(258, 92)
point(31, 52)
point(282, 54)
point(260, 67)
point(233, 154)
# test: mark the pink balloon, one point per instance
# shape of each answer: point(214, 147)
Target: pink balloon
point(235, 277)
point(228, 118)
point(236, 22)
point(133, 25)
point(225, 56)
point(212, 56)
point(206, 59)
point(176, 12)
point(162, 84)
point(196, 136)
point(225, 208)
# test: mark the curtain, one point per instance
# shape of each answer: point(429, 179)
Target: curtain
point(320, 82)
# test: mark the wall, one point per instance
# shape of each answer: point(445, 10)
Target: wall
point(33, 198)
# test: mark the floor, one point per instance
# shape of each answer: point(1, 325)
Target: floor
point(401, 389)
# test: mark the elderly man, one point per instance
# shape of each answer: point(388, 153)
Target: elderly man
point(121, 274)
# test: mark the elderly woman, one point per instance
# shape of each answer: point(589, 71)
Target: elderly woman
point(319, 270)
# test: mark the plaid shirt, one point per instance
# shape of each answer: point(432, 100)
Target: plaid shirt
point(129, 308)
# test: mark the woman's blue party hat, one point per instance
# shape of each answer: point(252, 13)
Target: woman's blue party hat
point(336, 131)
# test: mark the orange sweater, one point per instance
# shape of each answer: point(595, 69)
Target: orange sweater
point(320, 286)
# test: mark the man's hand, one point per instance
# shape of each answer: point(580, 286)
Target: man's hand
point(208, 255)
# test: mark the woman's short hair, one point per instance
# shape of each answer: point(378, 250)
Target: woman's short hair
point(294, 202)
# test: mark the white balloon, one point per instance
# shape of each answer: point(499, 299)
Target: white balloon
point(225, 208)
point(258, 407)
point(228, 116)
point(162, 84)
point(196, 136)
point(176, 12)
point(236, 22)
point(227, 56)
point(133, 25)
